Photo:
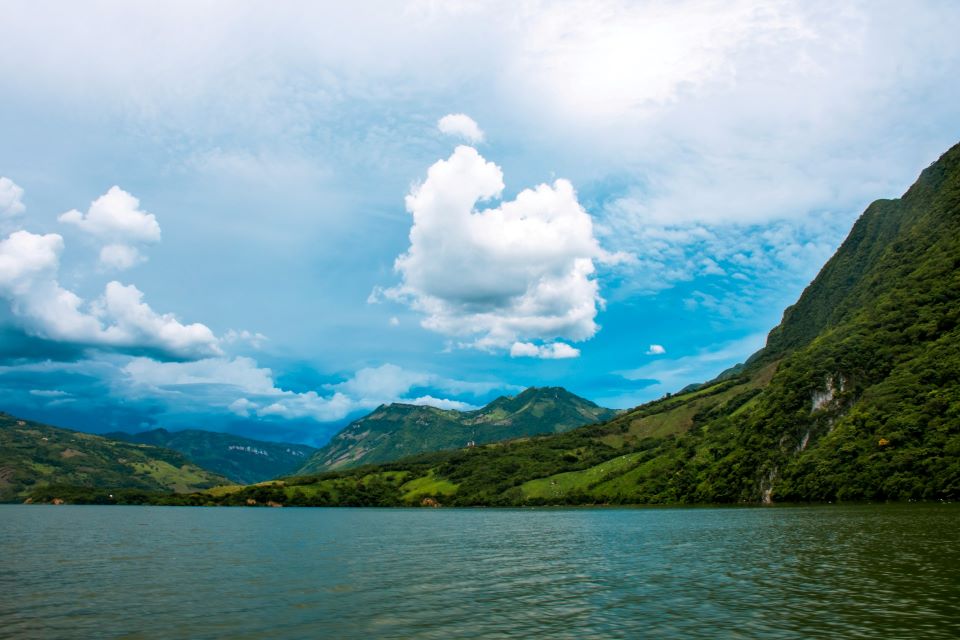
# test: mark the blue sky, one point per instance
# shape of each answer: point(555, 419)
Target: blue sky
point(269, 220)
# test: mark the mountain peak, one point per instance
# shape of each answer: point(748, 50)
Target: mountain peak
point(397, 430)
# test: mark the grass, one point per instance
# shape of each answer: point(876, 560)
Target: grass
point(428, 485)
point(559, 485)
point(179, 479)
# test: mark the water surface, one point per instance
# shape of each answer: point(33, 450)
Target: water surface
point(164, 572)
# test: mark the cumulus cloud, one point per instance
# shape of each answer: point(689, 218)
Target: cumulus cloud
point(116, 218)
point(120, 256)
point(310, 405)
point(242, 387)
point(11, 195)
point(242, 407)
point(656, 350)
point(254, 338)
point(222, 380)
point(241, 373)
point(385, 381)
point(390, 383)
point(29, 265)
point(116, 214)
point(552, 351)
point(461, 125)
point(442, 403)
point(521, 271)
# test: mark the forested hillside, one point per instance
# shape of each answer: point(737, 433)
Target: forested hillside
point(856, 396)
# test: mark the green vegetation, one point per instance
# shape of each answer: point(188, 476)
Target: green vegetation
point(242, 460)
point(855, 397)
point(399, 430)
point(35, 459)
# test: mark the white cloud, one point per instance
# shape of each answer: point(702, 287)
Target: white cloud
point(254, 338)
point(241, 373)
point(310, 405)
point(131, 322)
point(29, 264)
point(115, 218)
point(671, 375)
point(242, 407)
point(656, 350)
point(28, 269)
point(520, 271)
point(48, 393)
point(11, 203)
point(242, 387)
point(390, 383)
point(461, 125)
point(551, 351)
point(386, 382)
point(441, 403)
point(218, 381)
point(609, 59)
point(394, 321)
point(120, 256)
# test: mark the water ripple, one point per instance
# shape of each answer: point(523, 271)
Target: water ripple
point(151, 572)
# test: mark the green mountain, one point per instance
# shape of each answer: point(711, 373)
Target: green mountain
point(242, 460)
point(856, 396)
point(35, 457)
point(398, 430)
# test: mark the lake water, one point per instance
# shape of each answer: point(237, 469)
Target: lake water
point(165, 572)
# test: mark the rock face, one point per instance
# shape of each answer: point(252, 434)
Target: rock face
point(394, 431)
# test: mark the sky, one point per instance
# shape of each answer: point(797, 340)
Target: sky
point(270, 218)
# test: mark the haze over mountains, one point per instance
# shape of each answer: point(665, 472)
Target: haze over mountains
point(242, 460)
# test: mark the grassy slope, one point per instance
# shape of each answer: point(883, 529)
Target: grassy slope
point(34, 456)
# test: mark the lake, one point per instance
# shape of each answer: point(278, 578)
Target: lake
point(886, 571)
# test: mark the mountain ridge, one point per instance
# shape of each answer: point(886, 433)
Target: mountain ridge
point(243, 460)
point(398, 429)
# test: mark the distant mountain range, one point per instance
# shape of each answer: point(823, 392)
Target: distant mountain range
point(398, 430)
point(34, 455)
point(242, 460)
point(856, 396)
point(46, 462)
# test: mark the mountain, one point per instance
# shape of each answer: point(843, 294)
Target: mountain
point(36, 457)
point(242, 460)
point(856, 396)
point(397, 430)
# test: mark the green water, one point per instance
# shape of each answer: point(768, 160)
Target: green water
point(162, 572)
